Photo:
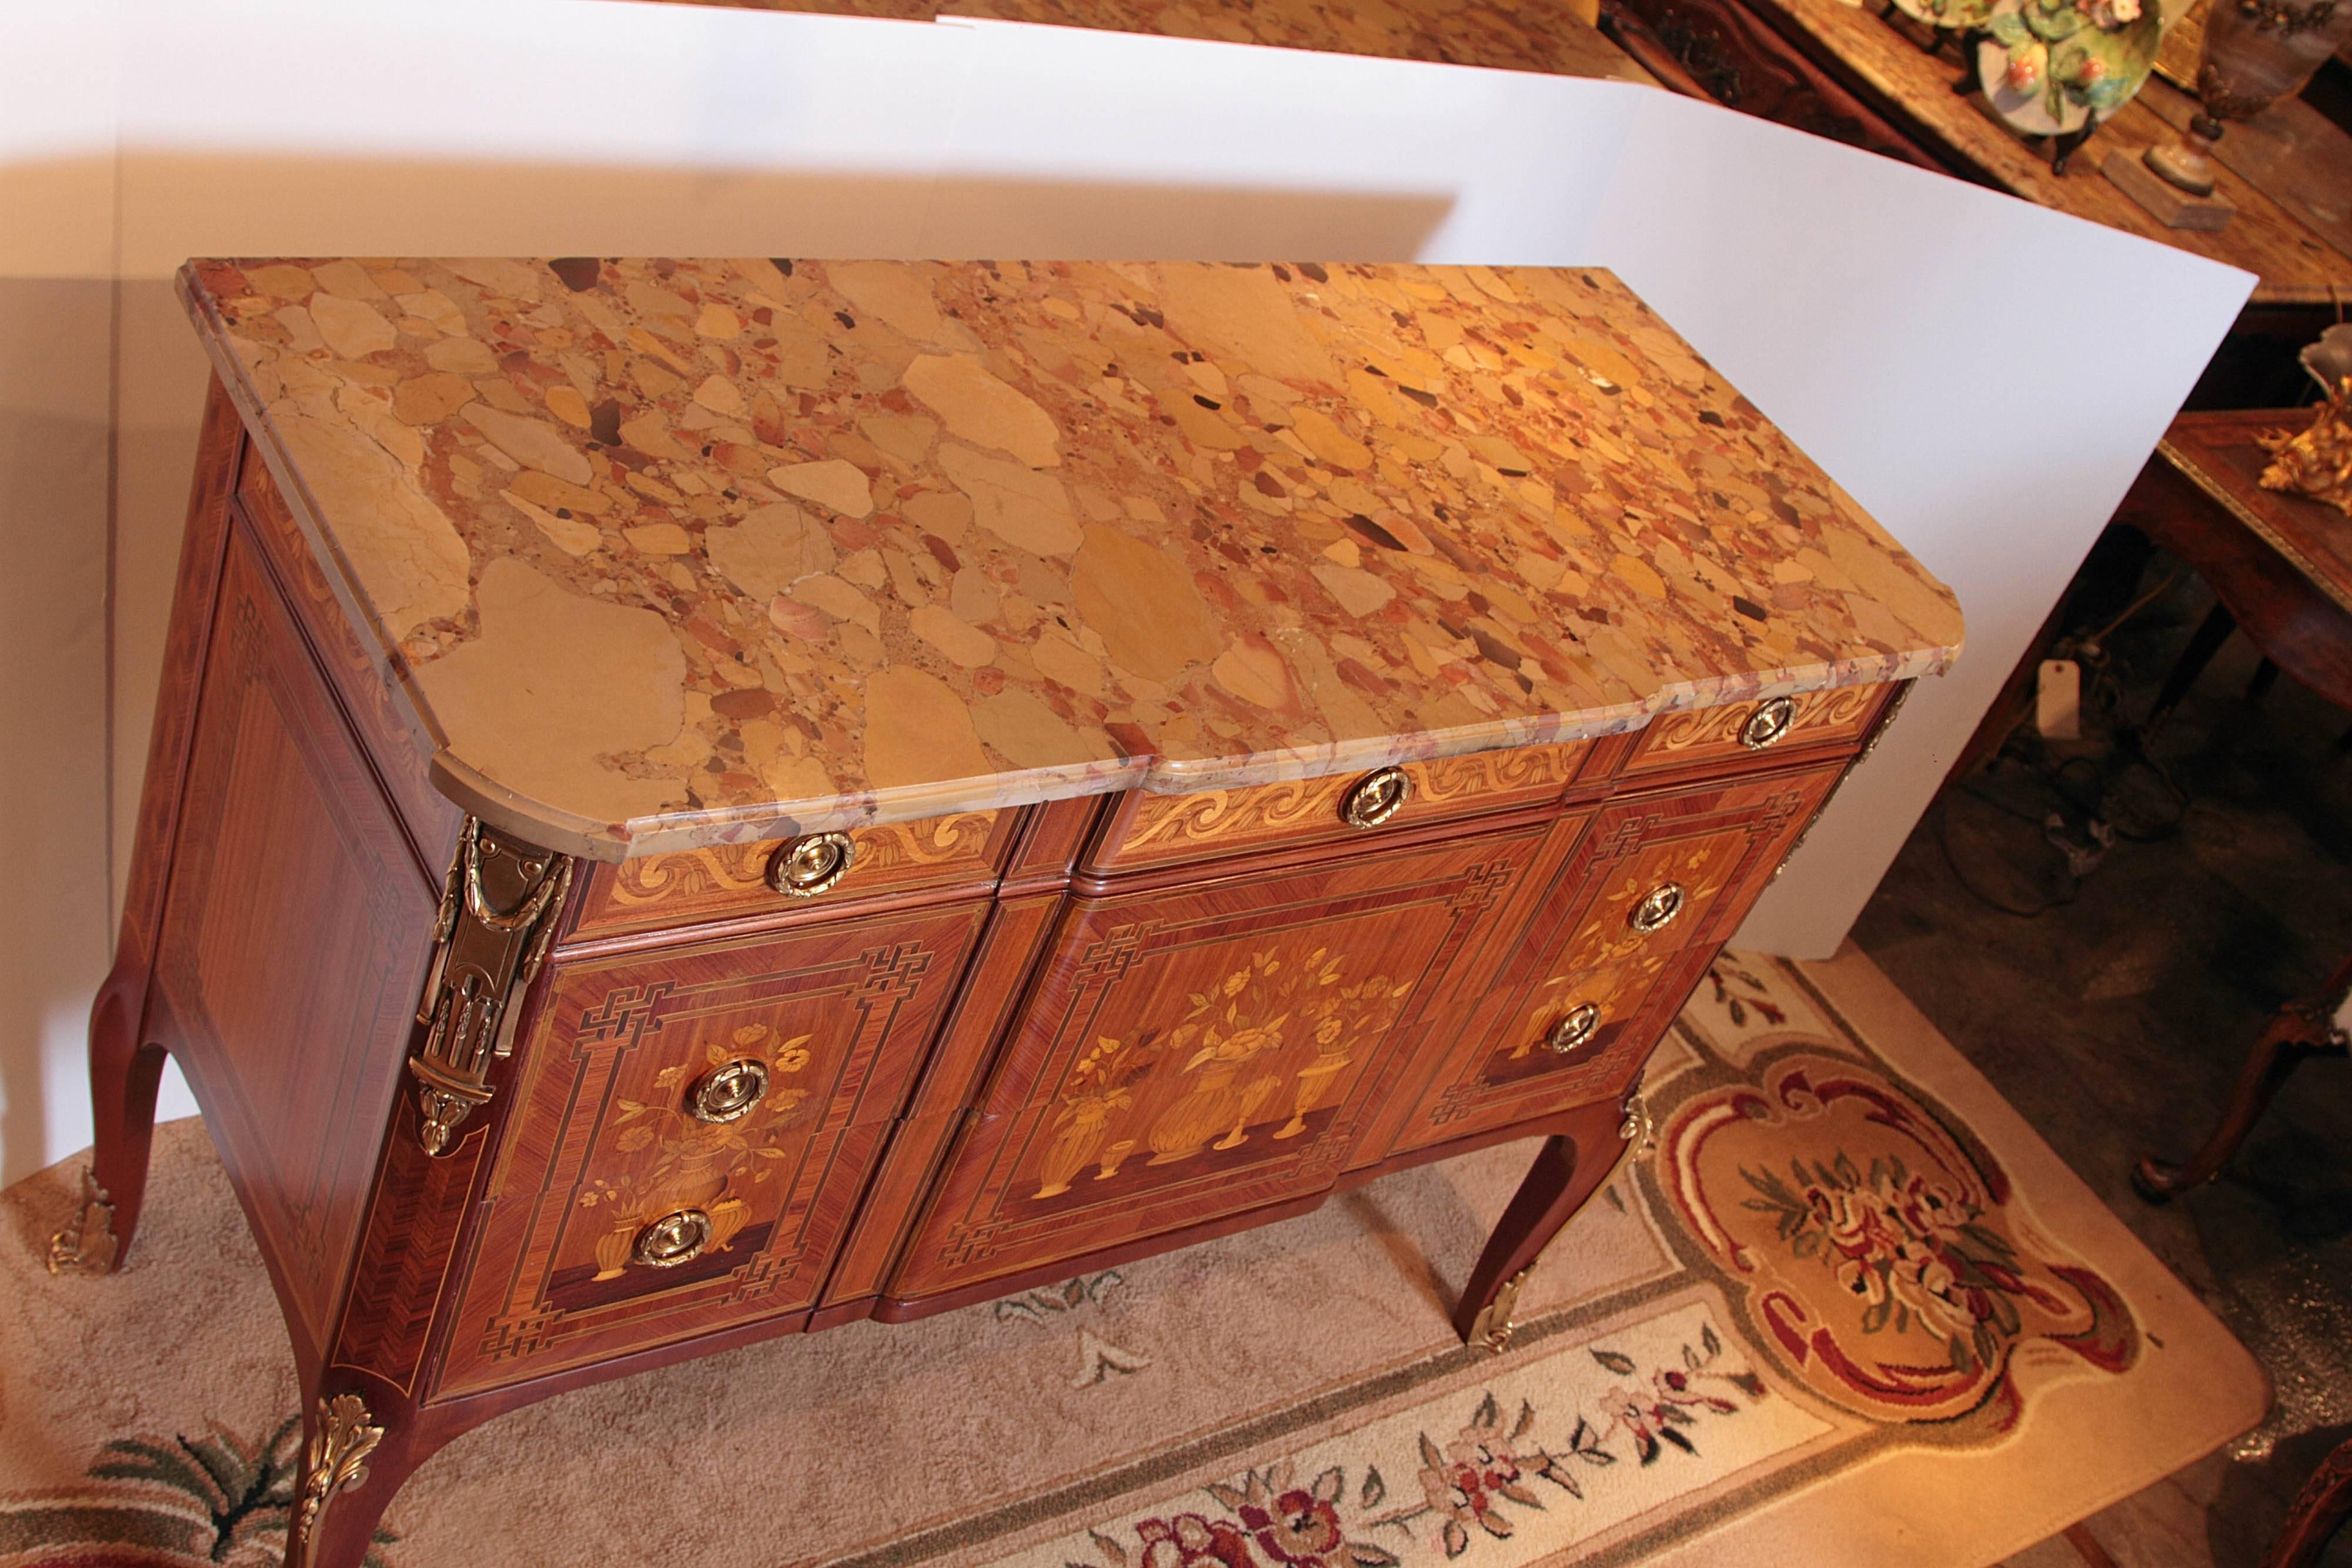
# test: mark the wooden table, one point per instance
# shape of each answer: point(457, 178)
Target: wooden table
point(2295, 260)
point(2281, 568)
point(1554, 37)
point(1840, 71)
point(698, 799)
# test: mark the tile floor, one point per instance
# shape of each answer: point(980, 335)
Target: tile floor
point(2115, 1018)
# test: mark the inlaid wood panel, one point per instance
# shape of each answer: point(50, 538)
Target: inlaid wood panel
point(186, 640)
point(691, 886)
point(601, 1141)
point(1007, 953)
point(1157, 830)
point(394, 742)
point(411, 1243)
point(294, 940)
point(1578, 947)
point(1709, 738)
point(1200, 1053)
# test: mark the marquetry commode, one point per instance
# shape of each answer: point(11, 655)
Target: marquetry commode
point(696, 799)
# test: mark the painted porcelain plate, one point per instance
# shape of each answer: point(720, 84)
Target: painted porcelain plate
point(2050, 65)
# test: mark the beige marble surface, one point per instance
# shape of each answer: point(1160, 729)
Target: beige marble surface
point(665, 553)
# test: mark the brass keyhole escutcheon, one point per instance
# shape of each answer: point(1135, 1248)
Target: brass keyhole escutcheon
point(1376, 796)
point(808, 866)
point(1576, 1026)
point(728, 1094)
point(1768, 722)
point(674, 1239)
point(1658, 907)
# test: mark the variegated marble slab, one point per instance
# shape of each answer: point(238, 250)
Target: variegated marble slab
point(667, 553)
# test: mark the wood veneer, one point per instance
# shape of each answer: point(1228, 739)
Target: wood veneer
point(1012, 1044)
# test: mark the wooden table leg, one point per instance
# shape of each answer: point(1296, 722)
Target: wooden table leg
point(2319, 1508)
point(125, 1070)
point(1567, 1170)
point(2296, 1031)
point(124, 1074)
point(2209, 635)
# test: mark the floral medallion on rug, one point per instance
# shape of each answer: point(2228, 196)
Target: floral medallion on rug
point(1845, 1308)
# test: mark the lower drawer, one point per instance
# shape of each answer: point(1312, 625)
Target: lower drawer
point(1546, 1052)
point(689, 1132)
point(1598, 972)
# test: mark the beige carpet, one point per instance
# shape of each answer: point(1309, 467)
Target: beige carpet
point(1849, 1311)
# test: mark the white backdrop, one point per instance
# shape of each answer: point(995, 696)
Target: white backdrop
point(1985, 376)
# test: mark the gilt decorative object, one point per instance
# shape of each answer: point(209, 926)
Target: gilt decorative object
point(2318, 461)
point(698, 799)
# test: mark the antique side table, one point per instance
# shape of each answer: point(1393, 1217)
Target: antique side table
point(2279, 566)
point(699, 799)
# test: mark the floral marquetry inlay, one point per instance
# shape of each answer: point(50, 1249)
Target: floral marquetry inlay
point(1708, 734)
point(1170, 827)
point(674, 553)
point(734, 879)
point(698, 1121)
point(1261, 1045)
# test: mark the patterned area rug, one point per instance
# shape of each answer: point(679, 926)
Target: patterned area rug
point(1846, 1310)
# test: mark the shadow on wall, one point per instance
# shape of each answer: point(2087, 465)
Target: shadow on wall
point(65, 504)
point(54, 450)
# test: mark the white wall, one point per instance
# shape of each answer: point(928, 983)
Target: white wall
point(57, 298)
point(549, 126)
point(1984, 376)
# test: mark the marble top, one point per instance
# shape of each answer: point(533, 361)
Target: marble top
point(663, 553)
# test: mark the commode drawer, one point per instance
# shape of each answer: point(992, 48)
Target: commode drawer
point(1148, 830)
point(1760, 731)
point(818, 870)
point(689, 1133)
point(1601, 969)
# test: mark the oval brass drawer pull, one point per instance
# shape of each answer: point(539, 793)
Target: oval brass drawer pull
point(1576, 1026)
point(808, 866)
point(728, 1094)
point(1376, 796)
point(674, 1239)
point(1658, 907)
point(1769, 722)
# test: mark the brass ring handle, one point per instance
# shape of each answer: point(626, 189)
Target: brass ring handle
point(672, 1240)
point(1576, 1026)
point(1658, 907)
point(808, 866)
point(1376, 796)
point(1769, 722)
point(728, 1094)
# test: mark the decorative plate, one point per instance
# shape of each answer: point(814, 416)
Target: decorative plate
point(2049, 66)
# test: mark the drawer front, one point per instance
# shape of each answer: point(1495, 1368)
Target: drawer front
point(617, 1125)
point(1526, 1052)
point(1195, 1055)
point(688, 886)
point(1714, 736)
point(1157, 830)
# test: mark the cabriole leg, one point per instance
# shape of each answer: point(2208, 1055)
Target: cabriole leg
point(2297, 1031)
point(1567, 1170)
point(352, 1466)
point(123, 1076)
